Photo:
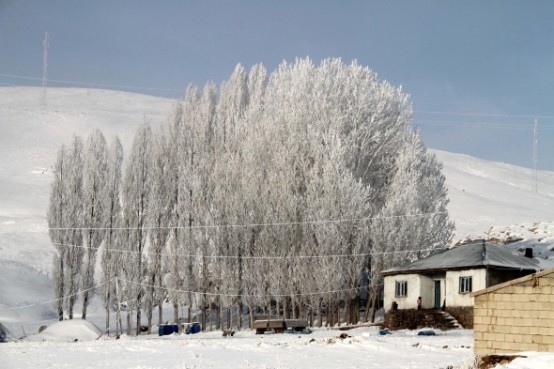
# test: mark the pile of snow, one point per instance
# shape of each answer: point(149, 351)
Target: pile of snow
point(68, 331)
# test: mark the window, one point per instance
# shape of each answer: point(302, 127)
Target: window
point(465, 284)
point(401, 289)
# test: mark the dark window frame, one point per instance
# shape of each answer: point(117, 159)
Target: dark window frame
point(401, 288)
point(466, 285)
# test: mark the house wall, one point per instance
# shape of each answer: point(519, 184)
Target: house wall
point(414, 290)
point(453, 295)
point(516, 317)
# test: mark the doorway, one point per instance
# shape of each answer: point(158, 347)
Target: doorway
point(437, 294)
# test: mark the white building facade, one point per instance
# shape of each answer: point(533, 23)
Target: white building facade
point(449, 278)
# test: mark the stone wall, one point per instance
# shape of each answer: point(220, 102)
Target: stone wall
point(516, 316)
point(415, 319)
point(463, 314)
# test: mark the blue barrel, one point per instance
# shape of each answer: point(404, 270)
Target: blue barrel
point(161, 330)
point(196, 328)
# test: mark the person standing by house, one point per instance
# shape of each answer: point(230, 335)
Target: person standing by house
point(419, 303)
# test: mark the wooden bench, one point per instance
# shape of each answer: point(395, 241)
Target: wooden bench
point(261, 326)
point(280, 325)
point(296, 325)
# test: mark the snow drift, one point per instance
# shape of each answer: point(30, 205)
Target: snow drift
point(69, 331)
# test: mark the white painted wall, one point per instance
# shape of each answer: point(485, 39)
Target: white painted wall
point(453, 296)
point(424, 286)
point(414, 290)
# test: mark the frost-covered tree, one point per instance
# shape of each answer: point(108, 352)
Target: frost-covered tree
point(174, 280)
point(55, 216)
point(157, 219)
point(111, 256)
point(65, 221)
point(95, 189)
point(278, 194)
point(73, 222)
point(136, 196)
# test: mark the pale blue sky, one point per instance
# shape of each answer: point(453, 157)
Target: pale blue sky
point(462, 57)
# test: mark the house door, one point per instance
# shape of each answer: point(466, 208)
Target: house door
point(437, 294)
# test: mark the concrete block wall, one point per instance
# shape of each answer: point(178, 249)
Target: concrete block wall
point(516, 317)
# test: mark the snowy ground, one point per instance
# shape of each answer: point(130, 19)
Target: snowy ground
point(321, 349)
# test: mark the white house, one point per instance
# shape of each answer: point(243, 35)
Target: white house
point(448, 278)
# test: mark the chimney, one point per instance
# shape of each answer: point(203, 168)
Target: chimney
point(528, 252)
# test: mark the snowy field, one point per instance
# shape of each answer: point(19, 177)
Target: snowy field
point(324, 348)
point(365, 348)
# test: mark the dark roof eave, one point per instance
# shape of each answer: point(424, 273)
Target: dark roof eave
point(442, 270)
point(429, 271)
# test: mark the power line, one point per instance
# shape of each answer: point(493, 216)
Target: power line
point(242, 295)
point(486, 114)
point(252, 257)
point(251, 225)
point(54, 300)
point(216, 226)
point(482, 124)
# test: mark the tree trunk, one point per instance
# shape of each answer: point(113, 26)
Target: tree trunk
point(138, 318)
point(221, 317)
point(175, 311)
point(70, 308)
point(129, 322)
point(230, 316)
point(85, 303)
point(372, 301)
point(203, 315)
point(250, 314)
point(107, 331)
point(347, 310)
point(160, 311)
point(329, 315)
point(239, 315)
point(148, 320)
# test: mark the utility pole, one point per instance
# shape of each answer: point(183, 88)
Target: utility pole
point(535, 156)
point(45, 45)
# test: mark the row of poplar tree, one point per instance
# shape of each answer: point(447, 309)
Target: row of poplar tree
point(275, 191)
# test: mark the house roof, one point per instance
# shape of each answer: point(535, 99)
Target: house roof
point(479, 254)
point(513, 282)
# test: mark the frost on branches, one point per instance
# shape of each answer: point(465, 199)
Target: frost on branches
point(274, 193)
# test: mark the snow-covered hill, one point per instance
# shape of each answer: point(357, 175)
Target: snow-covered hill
point(487, 198)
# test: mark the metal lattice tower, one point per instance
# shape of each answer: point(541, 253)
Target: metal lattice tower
point(45, 45)
point(535, 156)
